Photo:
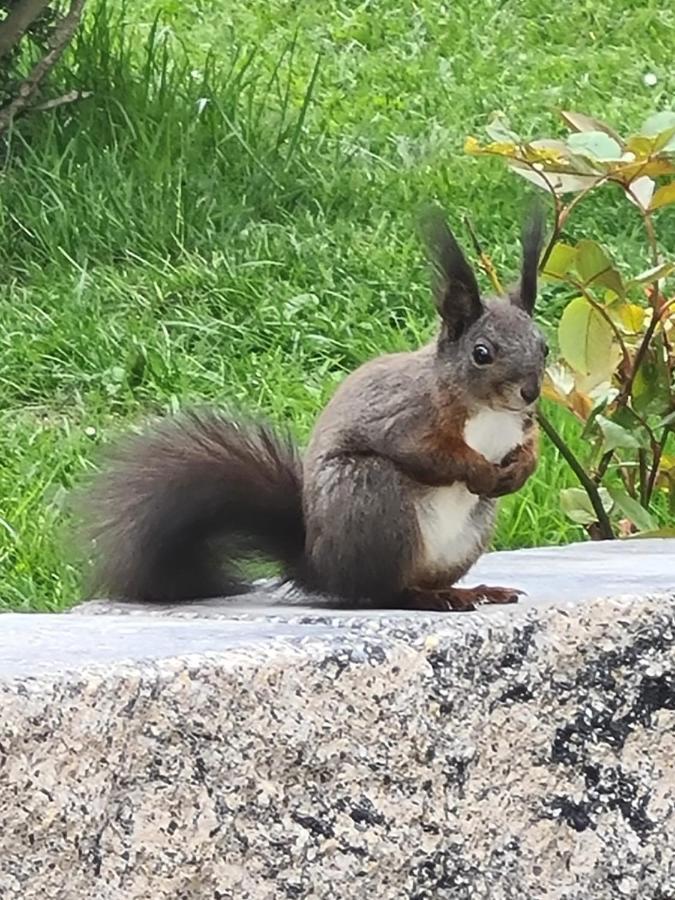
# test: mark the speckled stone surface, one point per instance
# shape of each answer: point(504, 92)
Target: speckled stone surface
point(522, 752)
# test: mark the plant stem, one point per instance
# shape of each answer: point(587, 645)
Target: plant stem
point(603, 465)
point(485, 261)
point(605, 526)
point(642, 463)
point(656, 462)
point(557, 227)
point(562, 214)
point(557, 205)
point(627, 388)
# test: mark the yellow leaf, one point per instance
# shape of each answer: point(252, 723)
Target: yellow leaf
point(545, 151)
point(580, 405)
point(548, 392)
point(502, 148)
point(627, 171)
point(496, 148)
point(664, 196)
point(559, 387)
point(642, 147)
point(631, 317)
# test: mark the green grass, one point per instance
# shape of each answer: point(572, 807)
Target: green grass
point(230, 217)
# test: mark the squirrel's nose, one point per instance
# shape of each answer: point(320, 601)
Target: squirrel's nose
point(530, 389)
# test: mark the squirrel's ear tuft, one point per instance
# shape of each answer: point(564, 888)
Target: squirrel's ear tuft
point(525, 294)
point(455, 286)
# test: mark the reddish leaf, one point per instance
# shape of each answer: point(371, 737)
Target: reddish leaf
point(558, 182)
point(582, 122)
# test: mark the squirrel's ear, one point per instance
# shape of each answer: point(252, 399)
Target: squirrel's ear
point(455, 286)
point(525, 294)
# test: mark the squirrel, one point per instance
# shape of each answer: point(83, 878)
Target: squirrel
point(394, 498)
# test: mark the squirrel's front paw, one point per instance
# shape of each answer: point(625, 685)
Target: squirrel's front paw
point(511, 478)
point(484, 479)
point(514, 470)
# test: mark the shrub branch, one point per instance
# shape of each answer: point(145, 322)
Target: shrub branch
point(63, 32)
point(17, 22)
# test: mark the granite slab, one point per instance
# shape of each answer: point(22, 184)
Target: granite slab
point(224, 751)
point(549, 575)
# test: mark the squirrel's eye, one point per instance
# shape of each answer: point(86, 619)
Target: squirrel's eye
point(546, 350)
point(482, 355)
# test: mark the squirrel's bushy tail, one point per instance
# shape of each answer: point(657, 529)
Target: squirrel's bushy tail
point(178, 507)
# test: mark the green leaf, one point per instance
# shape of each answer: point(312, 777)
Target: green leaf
point(595, 267)
point(560, 261)
point(576, 505)
point(500, 130)
point(591, 260)
point(663, 270)
point(156, 363)
point(666, 420)
point(633, 510)
point(587, 431)
point(651, 387)
point(658, 123)
point(586, 340)
point(582, 122)
point(549, 150)
point(626, 418)
point(615, 436)
point(595, 145)
point(665, 141)
point(664, 196)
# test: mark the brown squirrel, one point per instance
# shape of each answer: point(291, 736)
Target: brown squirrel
point(393, 500)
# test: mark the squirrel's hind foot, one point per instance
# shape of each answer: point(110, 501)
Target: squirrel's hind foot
point(489, 594)
point(462, 599)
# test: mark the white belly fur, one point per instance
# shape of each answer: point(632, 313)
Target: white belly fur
point(444, 514)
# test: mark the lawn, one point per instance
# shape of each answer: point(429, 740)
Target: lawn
point(230, 217)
